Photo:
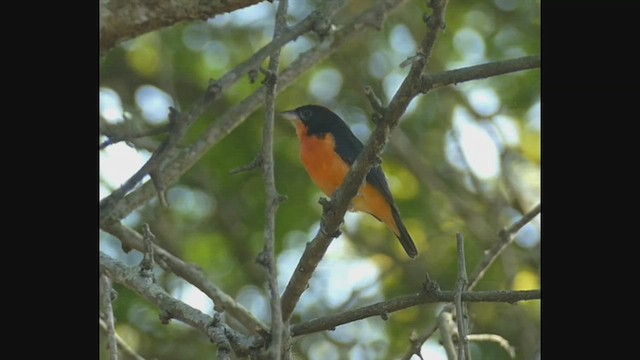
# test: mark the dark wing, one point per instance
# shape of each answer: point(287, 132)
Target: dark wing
point(348, 146)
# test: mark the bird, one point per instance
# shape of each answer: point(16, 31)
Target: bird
point(328, 148)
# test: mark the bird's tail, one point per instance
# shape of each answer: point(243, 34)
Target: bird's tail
point(403, 235)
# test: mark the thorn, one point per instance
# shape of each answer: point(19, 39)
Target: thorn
point(430, 286)
point(269, 77)
point(174, 116)
point(253, 75)
point(281, 198)
point(165, 317)
point(326, 204)
point(113, 295)
point(322, 26)
point(213, 90)
point(262, 259)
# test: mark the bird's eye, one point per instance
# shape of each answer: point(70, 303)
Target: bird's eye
point(306, 114)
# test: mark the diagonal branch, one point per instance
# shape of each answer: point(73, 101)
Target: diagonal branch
point(126, 349)
point(121, 20)
point(402, 302)
point(506, 237)
point(222, 301)
point(181, 122)
point(219, 333)
point(341, 199)
point(476, 72)
point(107, 309)
point(416, 343)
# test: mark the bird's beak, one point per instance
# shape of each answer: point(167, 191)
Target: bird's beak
point(289, 115)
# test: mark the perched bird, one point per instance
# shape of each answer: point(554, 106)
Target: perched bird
point(328, 148)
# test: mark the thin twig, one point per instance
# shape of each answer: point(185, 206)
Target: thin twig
point(146, 264)
point(461, 315)
point(254, 164)
point(448, 332)
point(497, 339)
point(416, 343)
point(116, 138)
point(194, 275)
point(273, 199)
point(476, 72)
point(107, 310)
point(506, 237)
point(407, 301)
point(122, 345)
point(374, 100)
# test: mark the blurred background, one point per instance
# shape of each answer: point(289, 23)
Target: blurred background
point(464, 158)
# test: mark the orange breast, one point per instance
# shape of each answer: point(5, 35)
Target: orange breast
point(327, 170)
point(325, 167)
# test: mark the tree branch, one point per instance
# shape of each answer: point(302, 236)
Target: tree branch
point(273, 199)
point(403, 302)
point(461, 314)
point(221, 300)
point(122, 345)
point(416, 343)
point(476, 72)
point(117, 133)
point(222, 335)
point(107, 310)
point(506, 237)
point(497, 339)
point(448, 332)
point(333, 215)
point(122, 20)
point(235, 116)
point(181, 122)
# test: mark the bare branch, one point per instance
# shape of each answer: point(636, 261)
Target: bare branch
point(461, 314)
point(416, 343)
point(273, 199)
point(497, 339)
point(114, 136)
point(222, 301)
point(122, 345)
point(219, 333)
point(374, 101)
point(506, 237)
point(256, 163)
point(476, 72)
point(386, 307)
point(146, 265)
point(121, 20)
point(107, 310)
point(448, 332)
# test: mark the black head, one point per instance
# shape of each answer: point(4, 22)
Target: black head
point(317, 119)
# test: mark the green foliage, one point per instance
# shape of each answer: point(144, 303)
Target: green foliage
point(216, 219)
